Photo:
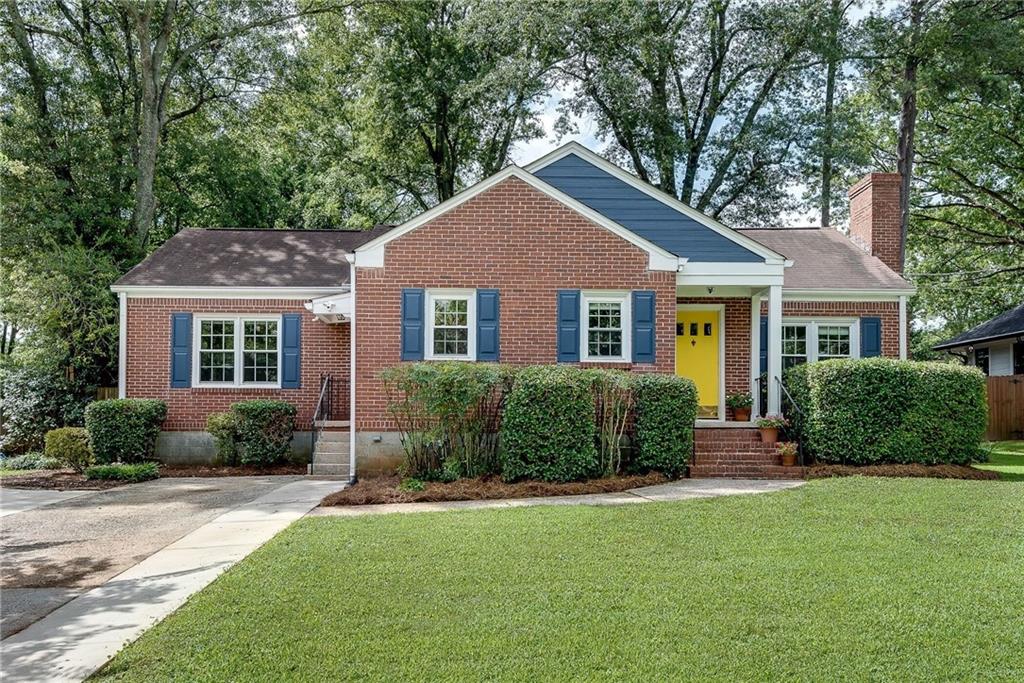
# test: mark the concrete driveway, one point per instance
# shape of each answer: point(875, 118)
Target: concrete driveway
point(55, 547)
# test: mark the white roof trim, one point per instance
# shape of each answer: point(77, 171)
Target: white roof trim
point(660, 259)
point(667, 199)
point(844, 294)
point(334, 308)
point(185, 292)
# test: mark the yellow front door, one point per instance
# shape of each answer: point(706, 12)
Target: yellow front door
point(697, 356)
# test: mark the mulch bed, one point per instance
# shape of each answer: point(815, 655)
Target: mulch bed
point(931, 471)
point(385, 489)
point(58, 480)
point(211, 471)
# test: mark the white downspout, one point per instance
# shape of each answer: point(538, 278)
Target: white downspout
point(903, 328)
point(351, 258)
point(122, 345)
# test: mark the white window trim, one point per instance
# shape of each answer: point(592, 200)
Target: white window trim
point(239, 319)
point(470, 296)
point(813, 324)
point(593, 297)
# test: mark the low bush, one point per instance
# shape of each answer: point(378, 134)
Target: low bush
point(70, 447)
point(613, 394)
point(34, 400)
point(888, 411)
point(665, 407)
point(30, 461)
point(124, 429)
point(548, 431)
point(264, 431)
point(448, 416)
point(223, 427)
point(140, 471)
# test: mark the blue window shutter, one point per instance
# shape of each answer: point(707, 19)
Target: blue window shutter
point(181, 350)
point(413, 328)
point(487, 325)
point(568, 325)
point(763, 346)
point(291, 345)
point(870, 337)
point(643, 327)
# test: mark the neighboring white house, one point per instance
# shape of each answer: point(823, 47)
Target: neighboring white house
point(995, 346)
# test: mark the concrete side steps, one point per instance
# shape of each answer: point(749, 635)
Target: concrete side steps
point(331, 456)
point(325, 469)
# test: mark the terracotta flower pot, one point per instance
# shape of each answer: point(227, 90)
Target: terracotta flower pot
point(741, 414)
point(788, 459)
point(769, 434)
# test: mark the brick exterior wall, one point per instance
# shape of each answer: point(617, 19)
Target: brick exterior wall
point(325, 348)
point(520, 241)
point(888, 311)
point(875, 217)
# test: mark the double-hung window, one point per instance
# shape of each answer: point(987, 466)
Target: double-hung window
point(451, 325)
point(606, 326)
point(806, 341)
point(237, 351)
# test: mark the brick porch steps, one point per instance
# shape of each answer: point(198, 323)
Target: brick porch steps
point(738, 453)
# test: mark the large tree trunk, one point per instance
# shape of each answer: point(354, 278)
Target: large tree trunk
point(828, 127)
point(908, 122)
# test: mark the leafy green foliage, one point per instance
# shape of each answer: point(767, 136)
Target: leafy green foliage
point(548, 431)
point(224, 429)
point(33, 400)
point(411, 484)
point(124, 430)
point(881, 410)
point(29, 461)
point(70, 447)
point(613, 394)
point(139, 471)
point(666, 407)
point(448, 415)
point(265, 430)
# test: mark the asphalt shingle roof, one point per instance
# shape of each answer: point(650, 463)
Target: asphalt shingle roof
point(250, 258)
point(824, 258)
point(1009, 324)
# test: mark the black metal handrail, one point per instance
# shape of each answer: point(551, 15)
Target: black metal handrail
point(324, 411)
point(799, 411)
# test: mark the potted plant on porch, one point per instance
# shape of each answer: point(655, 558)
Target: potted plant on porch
point(788, 451)
point(770, 426)
point(740, 404)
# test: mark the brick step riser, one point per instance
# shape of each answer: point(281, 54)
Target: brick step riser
point(769, 472)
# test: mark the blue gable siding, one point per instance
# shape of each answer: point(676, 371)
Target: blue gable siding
point(644, 215)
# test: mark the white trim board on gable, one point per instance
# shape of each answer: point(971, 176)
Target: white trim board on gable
point(371, 254)
point(603, 164)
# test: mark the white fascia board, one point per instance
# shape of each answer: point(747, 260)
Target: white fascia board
point(844, 294)
point(726, 280)
point(667, 199)
point(726, 268)
point(140, 292)
point(371, 254)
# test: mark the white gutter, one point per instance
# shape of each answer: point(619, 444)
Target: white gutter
point(122, 345)
point(351, 258)
point(903, 328)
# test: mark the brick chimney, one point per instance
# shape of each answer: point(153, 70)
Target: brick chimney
point(875, 217)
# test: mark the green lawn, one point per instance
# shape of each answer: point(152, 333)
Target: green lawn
point(1006, 458)
point(852, 579)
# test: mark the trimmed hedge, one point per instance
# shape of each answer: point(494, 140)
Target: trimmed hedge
point(140, 471)
point(666, 407)
point(548, 430)
point(889, 411)
point(70, 447)
point(124, 429)
point(223, 427)
point(264, 431)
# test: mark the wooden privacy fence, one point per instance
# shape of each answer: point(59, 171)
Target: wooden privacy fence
point(1005, 408)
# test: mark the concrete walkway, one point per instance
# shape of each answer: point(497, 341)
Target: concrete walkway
point(684, 489)
point(22, 500)
point(79, 637)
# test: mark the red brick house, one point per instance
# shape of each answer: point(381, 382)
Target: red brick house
point(568, 260)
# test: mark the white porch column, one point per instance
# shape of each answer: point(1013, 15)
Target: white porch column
point(774, 348)
point(755, 352)
point(122, 345)
point(903, 328)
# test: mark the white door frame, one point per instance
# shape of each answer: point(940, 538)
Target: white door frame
point(721, 352)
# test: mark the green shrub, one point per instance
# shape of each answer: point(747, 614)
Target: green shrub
point(124, 429)
point(411, 484)
point(34, 400)
point(30, 461)
point(70, 447)
point(888, 411)
point(140, 471)
point(448, 415)
point(666, 407)
point(224, 429)
point(613, 395)
point(548, 431)
point(265, 430)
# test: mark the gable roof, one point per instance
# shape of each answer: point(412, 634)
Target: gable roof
point(221, 257)
point(1004, 325)
point(825, 259)
point(644, 209)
